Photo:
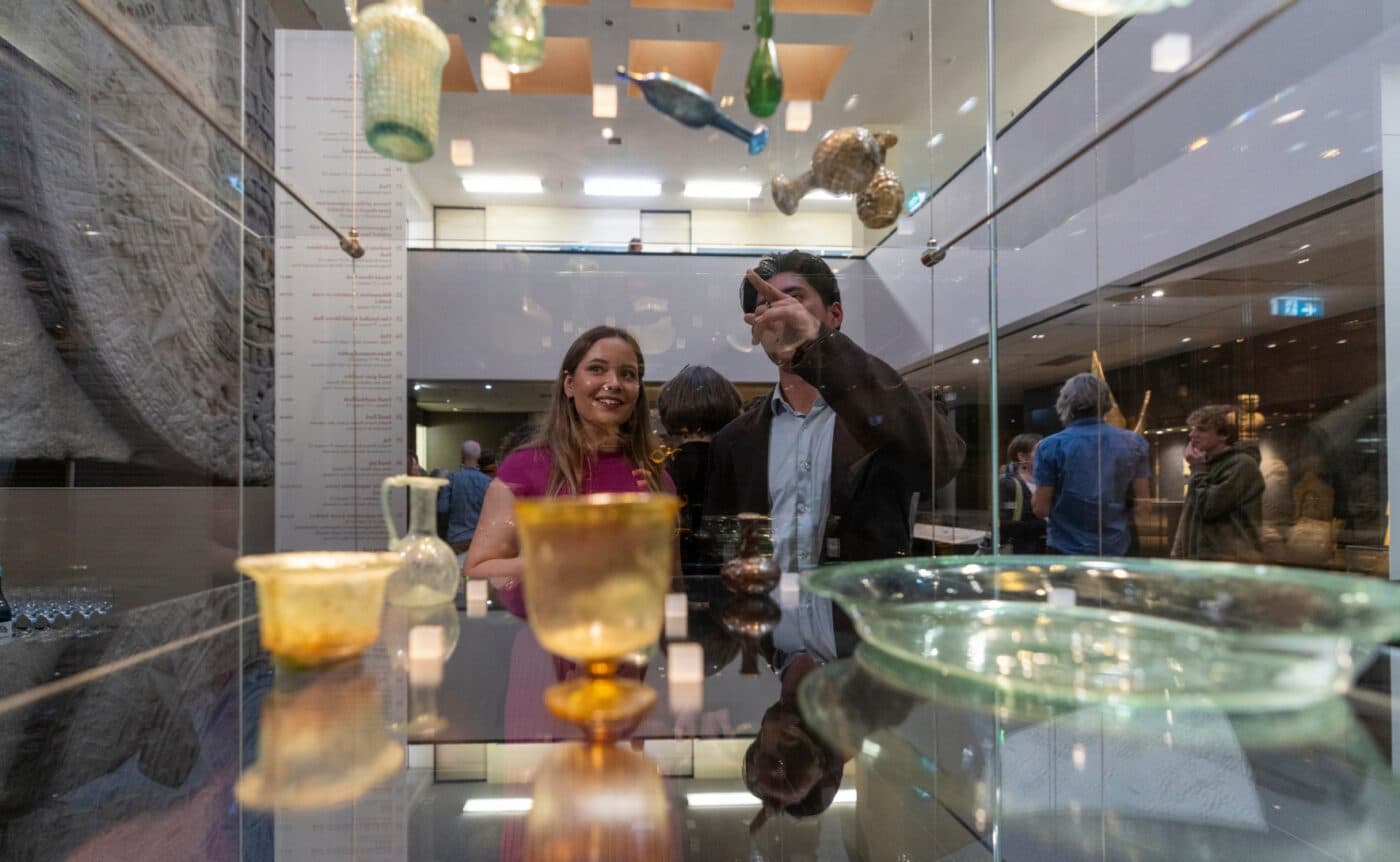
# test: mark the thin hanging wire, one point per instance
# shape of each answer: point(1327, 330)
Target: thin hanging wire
point(354, 276)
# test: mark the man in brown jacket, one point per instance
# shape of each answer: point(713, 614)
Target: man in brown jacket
point(843, 449)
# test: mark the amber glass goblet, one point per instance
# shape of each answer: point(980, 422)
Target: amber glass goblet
point(596, 572)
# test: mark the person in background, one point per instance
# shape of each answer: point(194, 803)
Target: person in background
point(694, 405)
point(415, 468)
point(1084, 474)
point(1224, 509)
point(462, 499)
point(840, 452)
point(514, 439)
point(596, 438)
point(634, 245)
point(487, 463)
point(439, 473)
point(1021, 531)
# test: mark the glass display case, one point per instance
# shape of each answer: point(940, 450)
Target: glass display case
point(225, 319)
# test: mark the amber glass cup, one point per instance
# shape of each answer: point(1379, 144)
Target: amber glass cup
point(596, 572)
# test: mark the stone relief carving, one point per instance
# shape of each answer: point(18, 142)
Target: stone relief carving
point(137, 250)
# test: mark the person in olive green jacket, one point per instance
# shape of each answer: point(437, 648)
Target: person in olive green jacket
point(1224, 502)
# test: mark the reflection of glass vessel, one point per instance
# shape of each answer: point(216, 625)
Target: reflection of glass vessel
point(691, 105)
point(596, 572)
point(763, 88)
point(751, 570)
point(748, 619)
point(517, 34)
point(429, 572)
point(402, 53)
point(318, 607)
point(321, 742)
point(630, 820)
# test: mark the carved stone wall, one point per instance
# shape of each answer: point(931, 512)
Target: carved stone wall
point(136, 248)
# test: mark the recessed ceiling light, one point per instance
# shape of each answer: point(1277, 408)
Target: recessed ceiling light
point(417, 386)
point(934, 141)
point(726, 101)
point(1216, 346)
point(1039, 336)
point(798, 116)
point(852, 103)
point(1305, 246)
point(621, 188)
point(1185, 339)
point(607, 132)
point(1331, 154)
point(605, 101)
point(499, 184)
point(976, 361)
point(1171, 52)
point(1341, 341)
point(494, 74)
point(1240, 340)
point(1304, 260)
point(1199, 143)
point(968, 104)
point(1288, 117)
point(724, 189)
point(462, 153)
point(1158, 293)
point(486, 386)
point(502, 805)
point(1271, 345)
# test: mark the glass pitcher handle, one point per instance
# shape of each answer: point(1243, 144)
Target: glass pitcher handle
point(390, 482)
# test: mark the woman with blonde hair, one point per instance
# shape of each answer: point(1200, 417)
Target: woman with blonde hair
point(595, 439)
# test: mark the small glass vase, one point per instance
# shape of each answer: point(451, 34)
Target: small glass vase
point(763, 87)
point(402, 53)
point(752, 571)
point(517, 34)
point(429, 574)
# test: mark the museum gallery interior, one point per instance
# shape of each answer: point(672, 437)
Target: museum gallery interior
point(841, 430)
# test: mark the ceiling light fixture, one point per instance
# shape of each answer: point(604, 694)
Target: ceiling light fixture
point(1288, 117)
point(1039, 336)
point(498, 184)
point(1331, 154)
point(605, 101)
point(798, 116)
point(1185, 339)
point(1304, 260)
point(1158, 293)
point(607, 133)
point(486, 386)
point(621, 188)
point(463, 156)
point(1199, 143)
point(1171, 53)
point(1100, 8)
point(968, 104)
point(722, 189)
point(934, 141)
point(501, 805)
point(494, 74)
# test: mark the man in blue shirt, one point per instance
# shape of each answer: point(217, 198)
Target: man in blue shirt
point(1083, 474)
point(462, 498)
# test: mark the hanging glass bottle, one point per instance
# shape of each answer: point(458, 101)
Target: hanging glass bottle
point(402, 53)
point(517, 34)
point(763, 89)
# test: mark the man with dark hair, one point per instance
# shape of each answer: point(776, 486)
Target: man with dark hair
point(1225, 500)
point(841, 451)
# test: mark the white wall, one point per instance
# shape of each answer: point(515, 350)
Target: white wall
point(511, 315)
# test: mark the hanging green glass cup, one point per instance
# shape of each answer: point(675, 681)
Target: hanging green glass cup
point(517, 34)
point(402, 53)
point(763, 88)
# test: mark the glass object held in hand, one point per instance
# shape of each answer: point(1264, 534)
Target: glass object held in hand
point(429, 574)
point(596, 574)
point(317, 607)
point(517, 34)
point(402, 53)
point(1124, 632)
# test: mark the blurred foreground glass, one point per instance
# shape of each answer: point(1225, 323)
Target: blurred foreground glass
point(317, 607)
point(596, 572)
point(402, 53)
point(598, 802)
point(322, 742)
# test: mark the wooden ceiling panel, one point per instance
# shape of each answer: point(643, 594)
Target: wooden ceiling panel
point(823, 7)
point(685, 5)
point(567, 70)
point(457, 74)
point(808, 70)
point(697, 62)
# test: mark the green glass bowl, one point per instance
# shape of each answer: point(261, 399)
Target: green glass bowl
point(1124, 631)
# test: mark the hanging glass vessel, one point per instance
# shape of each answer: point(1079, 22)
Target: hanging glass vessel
point(402, 53)
point(517, 34)
point(763, 89)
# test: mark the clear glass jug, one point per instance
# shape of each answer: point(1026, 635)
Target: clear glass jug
point(429, 574)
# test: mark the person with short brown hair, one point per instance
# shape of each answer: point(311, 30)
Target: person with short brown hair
point(1224, 502)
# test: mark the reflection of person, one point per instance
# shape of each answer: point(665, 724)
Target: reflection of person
point(694, 405)
point(1020, 528)
point(461, 499)
point(1084, 474)
point(1221, 517)
point(840, 451)
point(595, 439)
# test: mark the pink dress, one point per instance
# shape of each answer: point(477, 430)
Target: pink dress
point(526, 473)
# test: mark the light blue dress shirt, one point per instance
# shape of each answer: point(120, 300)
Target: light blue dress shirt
point(799, 481)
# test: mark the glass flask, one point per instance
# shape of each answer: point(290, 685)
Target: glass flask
point(763, 89)
point(517, 34)
point(402, 53)
point(429, 573)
